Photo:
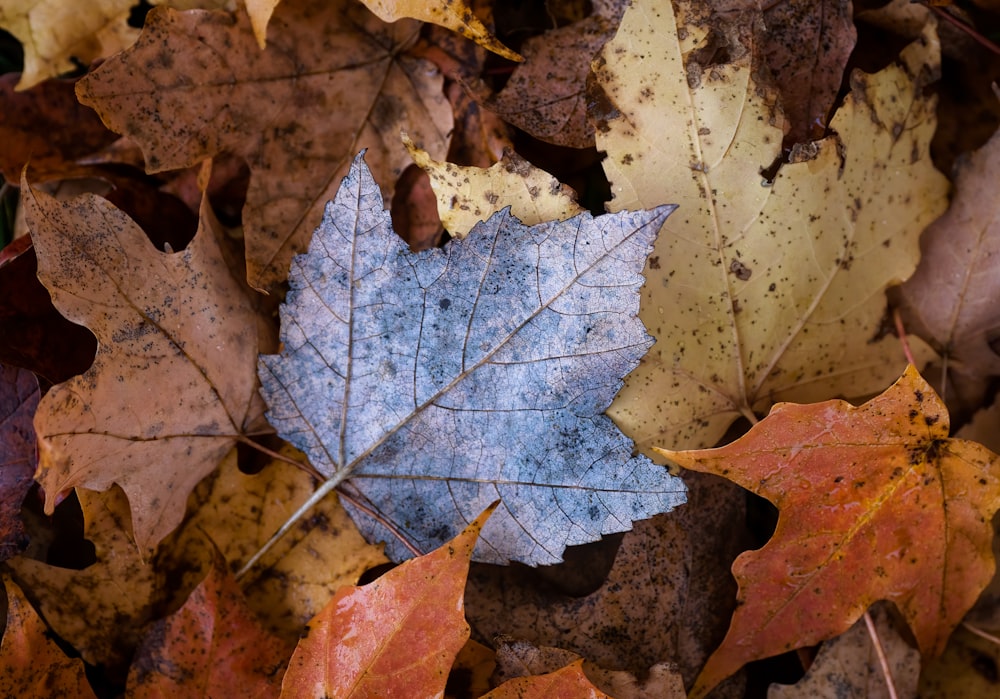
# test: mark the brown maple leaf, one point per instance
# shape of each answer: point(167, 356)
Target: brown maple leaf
point(876, 503)
point(333, 79)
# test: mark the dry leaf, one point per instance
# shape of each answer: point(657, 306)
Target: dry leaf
point(210, 647)
point(568, 683)
point(173, 95)
point(875, 502)
point(453, 14)
point(546, 96)
point(808, 44)
point(240, 512)
point(31, 664)
point(950, 300)
point(47, 127)
point(437, 382)
point(173, 385)
point(99, 610)
point(848, 666)
point(758, 291)
point(18, 400)
point(673, 569)
point(468, 195)
point(395, 637)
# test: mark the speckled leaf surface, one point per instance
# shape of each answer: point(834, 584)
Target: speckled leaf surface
point(951, 300)
point(173, 384)
point(440, 381)
point(875, 502)
point(210, 647)
point(333, 79)
point(467, 195)
point(31, 663)
point(758, 291)
point(397, 636)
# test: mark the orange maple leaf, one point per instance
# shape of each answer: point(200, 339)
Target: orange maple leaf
point(876, 503)
point(397, 636)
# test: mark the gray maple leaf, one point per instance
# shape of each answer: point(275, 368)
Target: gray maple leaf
point(440, 381)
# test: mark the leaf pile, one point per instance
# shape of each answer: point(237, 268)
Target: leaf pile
point(296, 291)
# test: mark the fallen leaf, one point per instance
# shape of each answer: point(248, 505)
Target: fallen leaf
point(807, 46)
point(567, 683)
point(47, 127)
point(848, 666)
point(33, 334)
point(211, 647)
point(950, 300)
point(173, 385)
point(397, 636)
point(53, 32)
point(875, 502)
point(522, 659)
point(546, 96)
point(758, 291)
point(673, 568)
point(440, 381)
point(240, 512)
point(18, 400)
point(468, 195)
point(31, 664)
point(99, 610)
point(181, 104)
point(451, 14)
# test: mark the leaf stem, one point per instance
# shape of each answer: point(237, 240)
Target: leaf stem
point(325, 489)
point(880, 652)
point(307, 467)
point(901, 332)
point(979, 632)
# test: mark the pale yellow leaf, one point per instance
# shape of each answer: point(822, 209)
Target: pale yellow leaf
point(467, 195)
point(757, 291)
point(451, 14)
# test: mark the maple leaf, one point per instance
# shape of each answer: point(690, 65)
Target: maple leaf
point(173, 384)
point(19, 394)
point(950, 300)
point(31, 664)
point(807, 46)
point(848, 665)
point(875, 502)
point(758, 291)
point(101, 609)
point(239, 513)
point(212, 646)
point(182, 101)
point(397, 636)
point(566, 683)
point(47, 126)
point(439, 381)
point(673, 568)
point(468, 195)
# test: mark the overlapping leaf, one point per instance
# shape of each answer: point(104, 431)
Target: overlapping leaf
point(19, 395)
point(876, 502)
point(173, 384)
point(950, 300)
point(211, 647)
point(758, 291)
point(438, 382)
point(31, 664)
point(397, 636)
point(333, 79)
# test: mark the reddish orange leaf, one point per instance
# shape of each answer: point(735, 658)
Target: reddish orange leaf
point(211, 647)
point(32, 666)
point(566, 683)
point(395, 637)
point(876, 503)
